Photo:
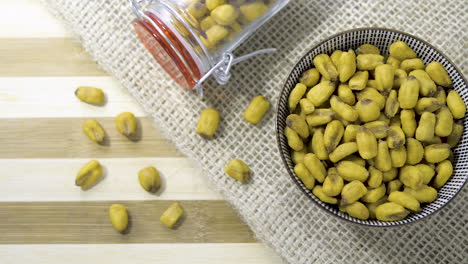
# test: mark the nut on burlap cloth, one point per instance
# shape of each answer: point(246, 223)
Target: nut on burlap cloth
point(276, 210)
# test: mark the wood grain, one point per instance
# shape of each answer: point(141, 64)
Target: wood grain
point(194, 253)
point(34, 21)
point(22, 97)
point(88, 222)
point(53, 180)
point(45, 57)
point(63, 138)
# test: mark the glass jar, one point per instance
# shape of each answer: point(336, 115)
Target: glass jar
point(194, 39)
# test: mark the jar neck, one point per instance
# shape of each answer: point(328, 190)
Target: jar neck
point(172, 43)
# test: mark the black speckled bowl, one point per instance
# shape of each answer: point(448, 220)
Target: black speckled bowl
point(382, 38)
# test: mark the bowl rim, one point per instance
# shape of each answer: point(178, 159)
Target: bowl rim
point(293, 177)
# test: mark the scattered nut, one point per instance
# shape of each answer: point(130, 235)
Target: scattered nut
point(93, 130)
point(89, 174)
point(208, 123)
point(126, 124)
point(149, 179)
point(90, 95)
point(172, 215)
point(238, 170)
point(119, 217)
point(257, 110)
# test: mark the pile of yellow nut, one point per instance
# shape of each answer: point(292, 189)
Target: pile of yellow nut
point(373, 134)
point(91, 173)
point(217, 21)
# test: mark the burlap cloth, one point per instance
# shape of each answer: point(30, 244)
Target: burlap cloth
point(271, 204)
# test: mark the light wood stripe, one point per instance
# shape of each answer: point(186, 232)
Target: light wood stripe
point(28, 19)
point(63, 138)
point(20, 179)
point(55, 97)
point(45, 57)
point(252, 253)
point(88, 222)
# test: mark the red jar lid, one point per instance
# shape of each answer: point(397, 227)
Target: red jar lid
point(185, 74)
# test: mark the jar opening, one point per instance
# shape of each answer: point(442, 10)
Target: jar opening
point(181, 67)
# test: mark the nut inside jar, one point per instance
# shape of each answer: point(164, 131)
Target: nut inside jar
point(217, 22)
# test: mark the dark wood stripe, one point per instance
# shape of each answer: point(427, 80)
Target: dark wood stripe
point(45, 57)
point(88, 222)
point(63, 138)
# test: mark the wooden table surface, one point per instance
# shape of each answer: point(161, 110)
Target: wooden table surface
point(44, 218)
